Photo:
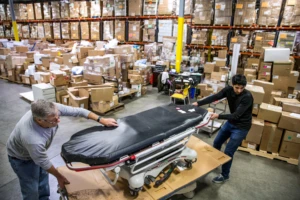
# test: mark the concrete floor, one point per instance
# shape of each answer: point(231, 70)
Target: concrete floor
point(251, 177)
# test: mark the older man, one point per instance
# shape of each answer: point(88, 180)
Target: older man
point(29, 141)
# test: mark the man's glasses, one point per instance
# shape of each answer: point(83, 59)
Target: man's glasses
point(55, 121)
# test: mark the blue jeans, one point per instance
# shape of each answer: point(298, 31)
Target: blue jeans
point(34, 180)
point(236, 136)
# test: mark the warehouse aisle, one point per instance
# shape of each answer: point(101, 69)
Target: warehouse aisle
point(251, 178)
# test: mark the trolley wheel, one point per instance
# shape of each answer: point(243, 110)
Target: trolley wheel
point(188, 163)
point(134, 193)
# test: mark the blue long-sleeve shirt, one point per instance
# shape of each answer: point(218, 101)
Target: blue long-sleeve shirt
point(29, 141)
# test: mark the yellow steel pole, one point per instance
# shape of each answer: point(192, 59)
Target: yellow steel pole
point(179, 36)
point(13, 19)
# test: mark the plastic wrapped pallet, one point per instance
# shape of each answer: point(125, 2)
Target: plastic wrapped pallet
point(33, 30)
point(95, 9)
point(38, 11)
point(134, 30)
point(95, 31)
point(245, 13)
point(242, 39)
point(48, 27)
point(64, 10)
point(187, 7)
point(150, 8)
point(185, 29)
point(120, 8)
point(8, 15)
point(168, 48)
point(223, 12)
point(17, 11)
point(135, 7)
point(108, 8)
point(7, 32)
point(46, 10)
point(20, 30)
point(165, 29)
point(65, 30)
point(149, 30)
point(75, 30)
point(84, 9)
point(199, 37)
point(269, 12)
point(291, 13)
point(22, 15)
point(41, 31)
point(108, 30)
point(2, 34)
point(203, 12)
point(56, 30)
point(55, 10)
point(263, 39)
point(120, 30)
point(25, 31)
point(219, 37)
point(30, 11)
point(85, 30)
point(74, 8)
point(2, 12)
point(286, 39)
point(166, 7)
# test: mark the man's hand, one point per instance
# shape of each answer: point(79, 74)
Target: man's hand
point(195, 104)
point(108, 122)
point(214, 116)
point(62, 181)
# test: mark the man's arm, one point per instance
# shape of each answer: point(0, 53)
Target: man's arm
point(242, 107)
point(212, 98)
point(81, 112)
point(60, 178)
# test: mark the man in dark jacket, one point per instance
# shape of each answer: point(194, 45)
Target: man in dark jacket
point(238, 123)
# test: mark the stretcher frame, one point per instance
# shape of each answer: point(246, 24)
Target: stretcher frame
point(135, 168)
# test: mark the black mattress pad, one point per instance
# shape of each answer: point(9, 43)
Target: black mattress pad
point(103, 145)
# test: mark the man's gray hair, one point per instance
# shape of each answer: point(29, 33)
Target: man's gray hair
point(42, 109)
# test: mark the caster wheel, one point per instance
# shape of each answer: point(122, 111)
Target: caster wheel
point(134, 193)
point(188, 164)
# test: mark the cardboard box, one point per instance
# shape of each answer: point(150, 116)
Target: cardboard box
point(255, 133)
point(102, 94)
point(289, 149)
point(96, 52)
point(59, 95)
point(77, 84)
point(265, 67)
point(101, 106)
point(250, 71)
point(21, 49)
point(79, 98)
point(282, 68)
point(26, 80)
point(290, 121)
point(59, 60)
point(4, 51)
point(77, 78)
point(292, 108)
point(257, 93)
point(219, 76)
point(222, 53)
point(290, 136)
point(83, 52)
point(293, 79)
point(45, 78)
point(277, 101)
point(255, 109)
point(202, 86)
point(249, 145)
point(271, 138)
point(65, 100)
point(209, 67)
point(269, 113)
point(268, 88)
point(221, 63)
point(59, 81)
point(251, 61)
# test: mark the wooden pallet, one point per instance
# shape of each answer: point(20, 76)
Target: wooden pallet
point(271, 156)
point(131, 93)
point(113, 109)
point(3, 77)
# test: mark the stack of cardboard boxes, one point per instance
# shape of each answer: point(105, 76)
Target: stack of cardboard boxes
point(108, 30)
point(120, 8)
point(165, 29)
point(286, 40)
point(95, 31)
point(149, 30)
point(120, 30)
point(223, 12)
point(219, 37)
point(134, 30)
point(95, 9)
point(263, 39)
point(291, 15)
point(150, 8)
point(135, 7)
point(245, 13)
point(269, 12)
point(216, 70)
point(203, 12)
point(199, 37)
point(108, 8)
point(166, 7)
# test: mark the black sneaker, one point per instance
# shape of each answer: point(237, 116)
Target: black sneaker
point(220, 179)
